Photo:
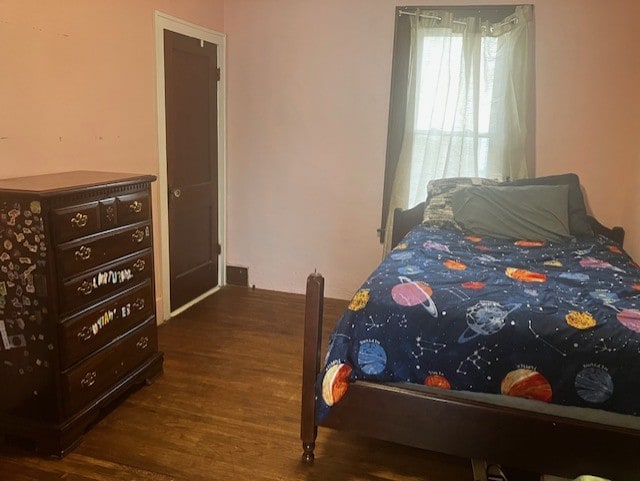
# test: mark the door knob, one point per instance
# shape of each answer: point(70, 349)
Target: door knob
point(175, 192)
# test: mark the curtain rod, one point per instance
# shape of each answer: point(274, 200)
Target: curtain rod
point(513, 20)
point(422, 15)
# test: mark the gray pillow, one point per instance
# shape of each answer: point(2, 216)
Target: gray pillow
point(536, 212)
point(578, 222)
point(438, 211)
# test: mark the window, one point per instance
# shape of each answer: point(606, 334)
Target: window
point(436, 111)
point(461, 99)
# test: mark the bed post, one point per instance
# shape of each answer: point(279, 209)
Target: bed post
point(311, 363)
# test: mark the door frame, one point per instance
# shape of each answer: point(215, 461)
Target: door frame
point(163, 22)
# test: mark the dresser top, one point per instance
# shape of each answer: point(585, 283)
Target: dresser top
point(50, 184)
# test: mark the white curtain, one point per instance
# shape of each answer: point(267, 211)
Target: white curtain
point(469, 90)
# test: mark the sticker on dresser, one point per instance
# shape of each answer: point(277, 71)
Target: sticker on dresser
point(22, 236)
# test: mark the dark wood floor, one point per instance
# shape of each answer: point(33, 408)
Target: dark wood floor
point(227, 407)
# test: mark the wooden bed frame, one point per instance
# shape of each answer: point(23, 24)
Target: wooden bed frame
point(444, 422)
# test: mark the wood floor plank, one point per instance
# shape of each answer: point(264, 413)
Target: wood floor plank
point(228, 408)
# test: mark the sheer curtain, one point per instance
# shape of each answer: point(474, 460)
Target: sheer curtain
point(469, 90)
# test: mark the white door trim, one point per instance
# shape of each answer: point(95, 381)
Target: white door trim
point(167, 22)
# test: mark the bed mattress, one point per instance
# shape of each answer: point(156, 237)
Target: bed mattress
point(556, 323)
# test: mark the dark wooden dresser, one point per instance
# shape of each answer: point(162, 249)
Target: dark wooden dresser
point(77, 303)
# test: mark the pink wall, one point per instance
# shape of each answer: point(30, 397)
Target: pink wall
point(308, 88)
point(307, 110)
point(588, 112)
point(78, 84)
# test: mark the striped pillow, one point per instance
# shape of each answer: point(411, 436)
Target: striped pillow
point(439, 211)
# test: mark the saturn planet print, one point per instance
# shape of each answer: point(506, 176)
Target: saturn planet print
point(484, 319)
point(630, 318)
point(593, 263)
point(412, 293)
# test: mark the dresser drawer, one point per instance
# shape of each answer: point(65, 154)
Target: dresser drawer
point(106, 280)
point(76, 221)
point(133, 207)
point(101, 372)
point(76, 257)
point(87, 332)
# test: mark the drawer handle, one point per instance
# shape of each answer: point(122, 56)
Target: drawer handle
point(79, 220)
point(138, 304)
point(85, 288)
point(83, 254)
point(111, 214)
point(139, 265)
point(135, 207)
point(85, 333)
point(89, 379)
point(143, 343)
point(137, 236)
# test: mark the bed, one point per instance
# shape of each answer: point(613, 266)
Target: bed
point(500, 383)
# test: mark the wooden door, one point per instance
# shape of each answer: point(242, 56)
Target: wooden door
point(191, 105)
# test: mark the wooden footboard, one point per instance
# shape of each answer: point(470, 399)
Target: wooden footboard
point(446, 423)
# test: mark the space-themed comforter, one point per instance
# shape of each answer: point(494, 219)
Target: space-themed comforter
point(558, 323)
